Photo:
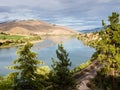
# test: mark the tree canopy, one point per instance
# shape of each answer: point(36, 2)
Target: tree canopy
point(108, 54)
point(61, 76)
point(26, 66)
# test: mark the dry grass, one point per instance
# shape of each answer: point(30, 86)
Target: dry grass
point(34, 27)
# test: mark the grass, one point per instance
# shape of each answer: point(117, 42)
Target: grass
point(81, 67)
point(15, 40)
point(10, 37)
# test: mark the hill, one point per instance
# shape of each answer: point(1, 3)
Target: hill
point(34, 27)
point(91, 30)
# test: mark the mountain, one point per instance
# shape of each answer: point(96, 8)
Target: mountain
point(91, 30)
point(34, 27)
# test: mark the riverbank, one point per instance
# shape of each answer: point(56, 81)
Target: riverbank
point(46, 49)
point(14, 45)
point(10, 40)
point(89, 39)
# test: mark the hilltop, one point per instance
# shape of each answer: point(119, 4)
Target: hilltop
point(34, 27)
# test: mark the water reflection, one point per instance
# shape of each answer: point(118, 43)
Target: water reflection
point(78, 53)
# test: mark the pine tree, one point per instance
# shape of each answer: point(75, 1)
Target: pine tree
point(61, 75)
point(26, 66)
point(108, 49)
point(109, 45)
point(114, 19)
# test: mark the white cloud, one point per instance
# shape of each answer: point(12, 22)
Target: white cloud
point(44, 4)
point(79, 14)
point(104, 1)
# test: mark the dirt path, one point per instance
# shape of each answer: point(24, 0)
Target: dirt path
point(84, 76)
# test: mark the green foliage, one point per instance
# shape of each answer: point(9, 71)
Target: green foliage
point(108, 54)
point(13, 40)
point(103, 82)
point(43, 70)
point(5, 83)
point(104, 25)
point(81, 67)
point(61, 76)
point(109, 45)
point(27, 65)
point(10, 37)
point(114, 19)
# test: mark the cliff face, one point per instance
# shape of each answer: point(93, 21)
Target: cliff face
point(34, 27)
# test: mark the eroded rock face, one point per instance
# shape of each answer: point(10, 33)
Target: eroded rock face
point(34, 27)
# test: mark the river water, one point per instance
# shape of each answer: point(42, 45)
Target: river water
point(78, 52)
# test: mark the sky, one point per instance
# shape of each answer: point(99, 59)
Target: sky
point(76, 14)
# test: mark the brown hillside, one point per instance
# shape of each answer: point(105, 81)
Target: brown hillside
point(34, 27)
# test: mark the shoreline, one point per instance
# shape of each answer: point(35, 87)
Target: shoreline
point(36, 41)
point(9, 46)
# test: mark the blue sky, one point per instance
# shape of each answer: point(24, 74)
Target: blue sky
point(77, 14)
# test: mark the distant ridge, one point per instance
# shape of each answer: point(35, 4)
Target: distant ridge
point(34, 27)
point(91, 30)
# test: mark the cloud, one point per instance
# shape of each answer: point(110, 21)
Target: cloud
point(4, 9)
point(43, 4)
point(104, 1)
point(68, 6)
point(73, 13)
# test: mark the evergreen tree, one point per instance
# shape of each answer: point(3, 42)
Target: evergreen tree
point(109, 45)
point(61, 76)
point(108, 49)
point(114, 19)
point(27, 64)
point(5, 83)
